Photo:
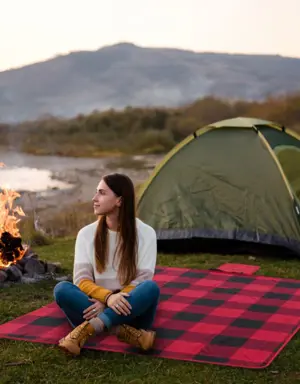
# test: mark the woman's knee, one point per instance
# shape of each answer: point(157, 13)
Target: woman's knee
point(151, 287)
point(61, 290)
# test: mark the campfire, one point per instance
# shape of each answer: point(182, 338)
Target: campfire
point(18, 262)
point(11, 248)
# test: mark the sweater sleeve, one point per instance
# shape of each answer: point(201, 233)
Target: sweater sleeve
point(83, 271)
point(147, 257)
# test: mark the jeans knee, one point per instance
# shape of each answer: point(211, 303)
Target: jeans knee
point(152, 288)
point(60, 290)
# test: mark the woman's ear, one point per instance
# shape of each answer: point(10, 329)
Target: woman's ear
point(119, 202)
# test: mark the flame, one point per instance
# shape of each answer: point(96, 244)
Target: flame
point(9, 222)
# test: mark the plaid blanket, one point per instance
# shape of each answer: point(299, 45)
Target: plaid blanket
point(203, 316)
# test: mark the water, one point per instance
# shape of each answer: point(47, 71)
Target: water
point(38, 174)
point(29, 179)
point(25, 172)
point(47, 175)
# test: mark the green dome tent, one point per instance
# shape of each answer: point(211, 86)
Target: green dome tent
point(227, 187)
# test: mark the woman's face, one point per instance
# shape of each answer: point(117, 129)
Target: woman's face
point(105, 201)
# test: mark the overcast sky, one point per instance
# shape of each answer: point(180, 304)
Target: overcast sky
point(34, 30)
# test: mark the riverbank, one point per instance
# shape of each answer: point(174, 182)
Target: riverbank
point(61, 211)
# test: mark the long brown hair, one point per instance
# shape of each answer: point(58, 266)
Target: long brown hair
point(122, 186)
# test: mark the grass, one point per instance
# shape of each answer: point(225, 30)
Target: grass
point(45, 364)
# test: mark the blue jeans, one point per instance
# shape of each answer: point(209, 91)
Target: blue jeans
point(143, 300)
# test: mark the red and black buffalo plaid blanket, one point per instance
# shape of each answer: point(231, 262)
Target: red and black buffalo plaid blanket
point(203, 316)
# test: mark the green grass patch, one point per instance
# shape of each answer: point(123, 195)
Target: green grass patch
point(45, 364)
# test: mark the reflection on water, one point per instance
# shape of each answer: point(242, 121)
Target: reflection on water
point(29, 179)
point(76, 177)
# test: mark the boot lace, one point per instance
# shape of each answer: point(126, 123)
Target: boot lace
point(131, 334)
point(80, 332)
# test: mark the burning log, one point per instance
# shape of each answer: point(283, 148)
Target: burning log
point(11, 249)
point(29, 269)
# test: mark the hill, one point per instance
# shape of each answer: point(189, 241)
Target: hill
point(125, 74)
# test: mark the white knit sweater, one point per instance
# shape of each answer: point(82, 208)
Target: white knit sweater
point(85, 262)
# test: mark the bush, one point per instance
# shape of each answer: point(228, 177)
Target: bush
point(139, 130)
point(152, 141)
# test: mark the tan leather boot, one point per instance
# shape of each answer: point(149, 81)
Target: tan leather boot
point(75, 340)
point(136, 337)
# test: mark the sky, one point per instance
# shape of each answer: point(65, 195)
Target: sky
point(35, 30)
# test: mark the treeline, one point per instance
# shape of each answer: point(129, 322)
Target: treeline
point(139, 130)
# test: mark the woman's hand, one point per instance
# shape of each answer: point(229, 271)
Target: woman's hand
point(119, 304)
point(94, 310)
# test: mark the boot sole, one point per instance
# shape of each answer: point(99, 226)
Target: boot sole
point(67, 351)
point(153, 339)
point(151, 343)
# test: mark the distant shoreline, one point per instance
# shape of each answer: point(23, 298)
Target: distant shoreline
point(82, 174)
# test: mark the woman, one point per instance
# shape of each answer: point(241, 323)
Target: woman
point(114, 264)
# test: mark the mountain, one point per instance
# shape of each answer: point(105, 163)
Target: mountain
point(125, 74)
